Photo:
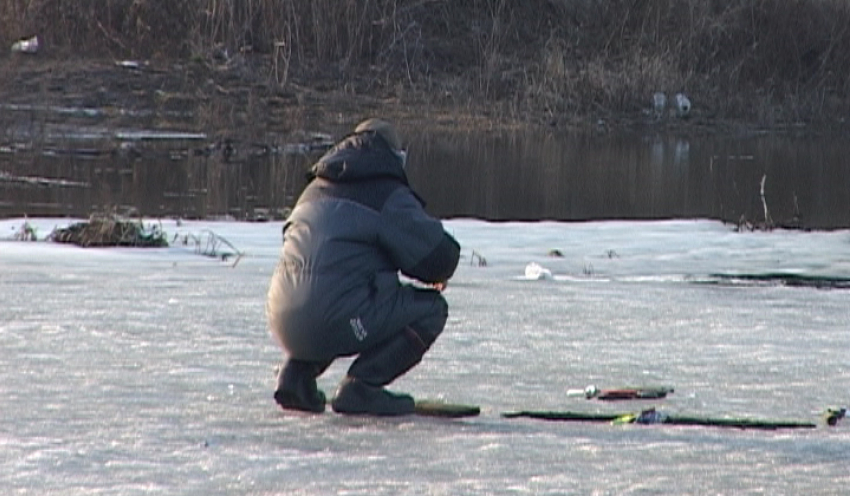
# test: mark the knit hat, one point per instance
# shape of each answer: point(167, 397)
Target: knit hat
point(383, 128)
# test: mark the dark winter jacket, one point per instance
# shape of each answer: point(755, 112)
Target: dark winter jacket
point(354, 228)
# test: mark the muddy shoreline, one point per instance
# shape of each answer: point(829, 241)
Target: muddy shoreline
point(238, 99)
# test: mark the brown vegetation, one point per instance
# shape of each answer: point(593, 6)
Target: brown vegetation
point(766, 62)
point(110, 230)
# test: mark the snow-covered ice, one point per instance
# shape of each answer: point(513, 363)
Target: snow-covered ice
point(150, 371)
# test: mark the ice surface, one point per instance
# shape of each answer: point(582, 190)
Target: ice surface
point(149, 371)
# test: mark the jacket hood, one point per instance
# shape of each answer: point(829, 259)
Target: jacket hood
point(359, 157)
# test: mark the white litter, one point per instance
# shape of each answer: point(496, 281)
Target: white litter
point(537, 272)
point(28, 45)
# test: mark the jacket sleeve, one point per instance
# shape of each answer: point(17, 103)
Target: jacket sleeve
point(415, 241)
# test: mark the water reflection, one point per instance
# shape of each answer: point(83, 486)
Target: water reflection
point(528, 177)
point(153, 180)
point(496, 176)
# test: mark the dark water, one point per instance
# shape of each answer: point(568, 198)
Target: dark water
point(806, 180)
point(496, 176)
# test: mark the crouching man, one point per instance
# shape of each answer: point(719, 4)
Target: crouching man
point(336, 290)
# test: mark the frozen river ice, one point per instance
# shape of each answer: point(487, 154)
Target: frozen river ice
point(140, 371)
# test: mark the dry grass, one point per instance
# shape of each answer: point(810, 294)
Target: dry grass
point(770, 61)
point(110, 230)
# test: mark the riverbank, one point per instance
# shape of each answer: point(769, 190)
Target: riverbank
point(226, 99)
point(237, 99)
point(248, 67)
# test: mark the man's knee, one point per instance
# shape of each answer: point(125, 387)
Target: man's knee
point(429, 327)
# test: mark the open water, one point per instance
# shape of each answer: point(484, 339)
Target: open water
point(777, 179)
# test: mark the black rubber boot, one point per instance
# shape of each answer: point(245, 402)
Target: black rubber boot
point(296, 387)
point(355, 397)
point(362, 391)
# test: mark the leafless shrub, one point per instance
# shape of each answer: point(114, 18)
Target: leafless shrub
point(26, 233)
point(210, 244)
point(477, 259)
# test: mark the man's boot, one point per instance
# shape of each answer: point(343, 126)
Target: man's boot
point(296, 387)
point(362, 391)
point(356, 397)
